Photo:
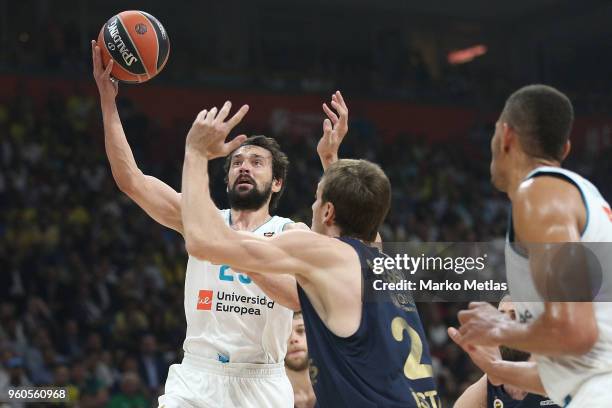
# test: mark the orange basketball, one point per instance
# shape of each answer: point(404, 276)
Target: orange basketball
point(137, 42)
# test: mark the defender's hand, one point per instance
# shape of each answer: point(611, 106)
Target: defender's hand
point(483, 357)
point(481, 324)
point(334, 130)
point(209, 131)
point(107, 86)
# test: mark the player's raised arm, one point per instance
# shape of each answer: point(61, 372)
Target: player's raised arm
point(158, 199)
point(335, 128)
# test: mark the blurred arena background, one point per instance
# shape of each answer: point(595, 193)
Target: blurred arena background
point(91, 287)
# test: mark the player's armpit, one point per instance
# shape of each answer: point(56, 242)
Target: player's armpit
point(475, 396)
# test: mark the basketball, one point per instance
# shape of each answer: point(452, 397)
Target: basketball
point(137, 42)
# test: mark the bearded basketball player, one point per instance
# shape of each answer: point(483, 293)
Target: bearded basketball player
point(237, 325)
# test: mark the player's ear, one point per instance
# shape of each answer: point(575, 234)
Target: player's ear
point(329, 214)
point(507, 136)
point(277, 184)
point(566, 150)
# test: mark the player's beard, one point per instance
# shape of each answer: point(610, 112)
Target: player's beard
point(297, 365)
point(252, 199)
point(510, 354)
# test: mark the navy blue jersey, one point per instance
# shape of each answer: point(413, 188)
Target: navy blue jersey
point(497, 397)
point(385, 363)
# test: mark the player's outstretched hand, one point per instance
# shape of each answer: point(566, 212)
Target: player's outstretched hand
point(210, 129)
point(481, 324)
point(335, 127)
point(107, 86)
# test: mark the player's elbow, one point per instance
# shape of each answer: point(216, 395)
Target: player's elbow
point(127, 184)
point(583, 335)
point(293, 304)
point(584, 341)
point(128, 178)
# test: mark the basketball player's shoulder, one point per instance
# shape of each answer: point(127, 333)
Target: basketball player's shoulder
point(546, 200)
point(295, 226)
point(545, 194)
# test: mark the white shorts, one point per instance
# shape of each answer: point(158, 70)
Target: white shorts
point(596, 392)
point(204, 383)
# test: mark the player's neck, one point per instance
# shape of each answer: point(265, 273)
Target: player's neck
point(333, 231)
point(249, 220)
point(525, 166)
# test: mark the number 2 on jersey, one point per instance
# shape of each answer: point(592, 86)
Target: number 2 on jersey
point(413, 369)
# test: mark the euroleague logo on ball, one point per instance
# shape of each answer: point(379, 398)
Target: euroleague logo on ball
point(137, 43)
point(115, 35)
point(140, 28)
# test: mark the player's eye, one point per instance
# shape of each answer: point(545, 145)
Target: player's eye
point(236, 163)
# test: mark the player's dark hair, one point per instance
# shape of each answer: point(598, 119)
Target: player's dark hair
point(361, 194)
point(543, 117)
point(280, 163)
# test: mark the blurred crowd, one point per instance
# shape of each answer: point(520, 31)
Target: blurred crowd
point(91, 297)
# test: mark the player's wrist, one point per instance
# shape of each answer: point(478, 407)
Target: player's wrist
point(193, 152)
point(328, 159)
point(108, 103)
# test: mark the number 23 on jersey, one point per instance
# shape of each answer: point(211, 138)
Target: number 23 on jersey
point(226, 274)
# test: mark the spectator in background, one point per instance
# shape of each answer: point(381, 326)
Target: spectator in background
point(131, 395)
point(13, 376)
point(129, 323)
point(11, 329)
point(297, 365)
point(37, 358)
point(71, 341)
point(152, 367)
point(61, 379)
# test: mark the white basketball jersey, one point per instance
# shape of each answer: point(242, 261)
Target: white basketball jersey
point(563, 376)
point(229, 318)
